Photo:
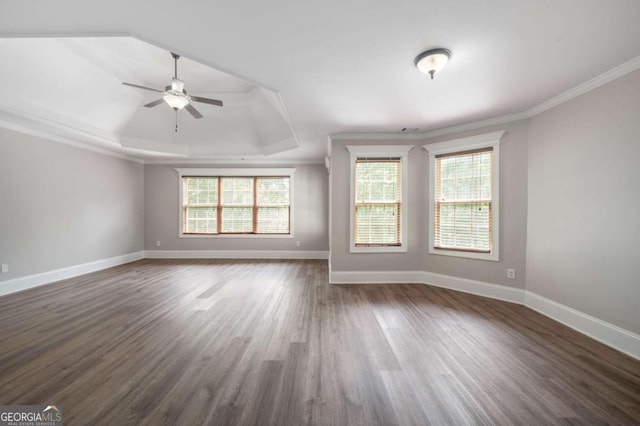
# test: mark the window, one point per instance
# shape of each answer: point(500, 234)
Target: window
point(463, 197)
point(219, 202)
point(378, 204)
point(378, 198)
point(200, 206)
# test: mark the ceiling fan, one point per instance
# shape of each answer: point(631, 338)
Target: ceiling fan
point(176, 96)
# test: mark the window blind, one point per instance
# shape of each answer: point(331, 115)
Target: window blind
point(236, 205)
point(377, 218)
point(463, 201)
point(200, 205)
point(272, 205)
point(237, 200)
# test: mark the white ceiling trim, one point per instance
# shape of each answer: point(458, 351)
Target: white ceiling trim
point(287, 117)
point(594, 83)
point(61, 133)
point(281, 146)
point(476, 125)
point(248, 161)
point(122, 72)
point(196, 58)
point(587, 86)
point(430, 134)
point(209, 171)
point(49, 127)
point(125, 73)
point(70, 135)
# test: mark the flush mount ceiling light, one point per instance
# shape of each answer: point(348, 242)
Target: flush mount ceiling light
point(432, 61)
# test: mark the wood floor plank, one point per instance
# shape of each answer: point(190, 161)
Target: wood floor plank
point(226, 342)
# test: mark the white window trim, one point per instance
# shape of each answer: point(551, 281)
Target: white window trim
point(224, 172)
point(458, 145)
point(382, 151)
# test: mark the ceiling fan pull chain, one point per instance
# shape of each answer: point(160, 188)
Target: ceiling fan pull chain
point(176, 120)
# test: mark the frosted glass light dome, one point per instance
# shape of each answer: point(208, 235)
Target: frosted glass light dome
point(432, 61)
point(176, 101)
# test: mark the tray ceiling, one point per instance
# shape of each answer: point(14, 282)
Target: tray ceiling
point(339, 67)
point(74, 86)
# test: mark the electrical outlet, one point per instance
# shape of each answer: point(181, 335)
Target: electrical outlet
point(5, 268)
point(511, 274)
point(158, 243)
point(297, 243)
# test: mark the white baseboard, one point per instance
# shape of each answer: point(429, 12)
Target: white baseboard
point(235, 254)
point(375, 277)
point(30, 281)
point(604, 332)
point(480, 288)
point(609, 334)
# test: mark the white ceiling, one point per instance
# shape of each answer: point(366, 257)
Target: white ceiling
point(348, 66)
point(75, 83)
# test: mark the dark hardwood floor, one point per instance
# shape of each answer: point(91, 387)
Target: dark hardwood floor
point(271, 342)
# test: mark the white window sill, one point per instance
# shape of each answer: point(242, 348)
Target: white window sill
point(399, 249)
point(493, 257)
point(237, 236)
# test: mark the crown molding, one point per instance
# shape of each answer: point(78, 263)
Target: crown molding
point(379, 149)
point(79, 135)
point(464, 144)
point(85, 139)
point(197, 58)
point(581, 89)
point(121, 72)
point(510, 118)
point(287, 117)
point(241, 171)
point(280, 146)
point(587, 86)
point(431, 133)
point(247, 161)
point(62, 133)
point(346, 136)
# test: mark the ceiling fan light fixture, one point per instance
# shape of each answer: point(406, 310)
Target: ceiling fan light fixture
point(175, 96)
point(175, 101)
point(432, 61)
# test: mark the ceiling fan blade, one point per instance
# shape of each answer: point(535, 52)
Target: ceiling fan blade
point(192, 111)
point(206, 100)
point(142, 87)
point(154, 103)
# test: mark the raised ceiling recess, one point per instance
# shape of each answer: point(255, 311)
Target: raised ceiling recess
point(70, 88)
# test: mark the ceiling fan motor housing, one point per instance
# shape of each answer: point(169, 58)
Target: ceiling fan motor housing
point(177, 85)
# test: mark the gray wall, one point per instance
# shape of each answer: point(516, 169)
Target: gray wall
point(569, 207)
point(62, 206)
point(513, 214)
point(513, 210)
point(341, 259)
point(310, 211)
point(583, 247)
